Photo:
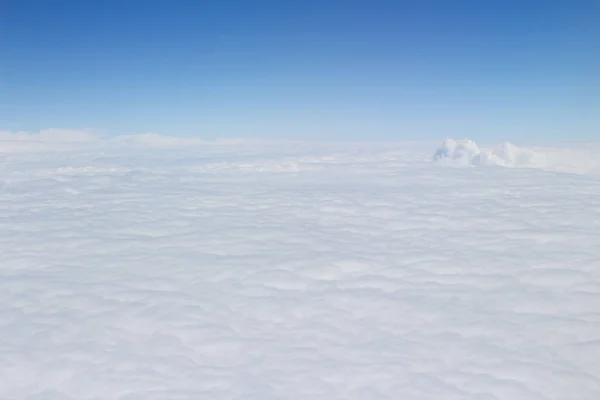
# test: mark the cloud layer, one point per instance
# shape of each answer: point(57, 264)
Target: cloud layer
point(295, 271)
point(65, 140)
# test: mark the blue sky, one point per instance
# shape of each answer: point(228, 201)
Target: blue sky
point(386, 70)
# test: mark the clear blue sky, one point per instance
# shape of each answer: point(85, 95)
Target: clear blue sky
point(371, 69)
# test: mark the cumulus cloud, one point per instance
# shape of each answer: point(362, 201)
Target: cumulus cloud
point(467, 152)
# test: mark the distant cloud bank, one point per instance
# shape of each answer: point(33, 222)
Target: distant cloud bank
point(71, 139)
point(571, 159)
point(467, 152)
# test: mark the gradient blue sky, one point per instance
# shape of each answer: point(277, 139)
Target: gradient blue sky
point(387, 70)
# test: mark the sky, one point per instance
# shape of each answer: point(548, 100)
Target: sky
point(362, 70)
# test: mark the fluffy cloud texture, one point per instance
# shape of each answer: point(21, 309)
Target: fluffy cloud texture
point(278, 271)
point(467, 152)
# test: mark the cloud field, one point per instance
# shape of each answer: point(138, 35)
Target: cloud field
point(148, 267)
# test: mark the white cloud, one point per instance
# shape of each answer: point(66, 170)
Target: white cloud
point(155, 140)
point(467, 152)
point(45, 140)
point(295, 271)
point(52, 140)
point(50, 136)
